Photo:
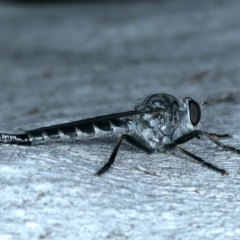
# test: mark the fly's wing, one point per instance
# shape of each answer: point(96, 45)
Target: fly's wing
point(87, 123)
point(151, 104)
point(157, 102)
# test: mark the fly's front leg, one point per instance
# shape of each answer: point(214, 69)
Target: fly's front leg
point(197, 133)
point(210, 136)
point(221, 145)
point(111, 160)
point(219, 136)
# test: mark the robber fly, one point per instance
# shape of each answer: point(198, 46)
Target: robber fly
point(158, 122)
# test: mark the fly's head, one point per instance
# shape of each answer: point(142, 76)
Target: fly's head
point(189, 115)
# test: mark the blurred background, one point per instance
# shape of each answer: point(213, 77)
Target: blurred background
point(59, 59)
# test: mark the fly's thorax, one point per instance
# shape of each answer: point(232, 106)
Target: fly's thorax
point(188, 117)
point(141, 127)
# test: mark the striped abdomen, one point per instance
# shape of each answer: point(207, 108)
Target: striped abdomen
point(79, 130)
point(15, 138)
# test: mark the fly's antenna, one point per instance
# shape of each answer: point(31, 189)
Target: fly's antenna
point(207, 101)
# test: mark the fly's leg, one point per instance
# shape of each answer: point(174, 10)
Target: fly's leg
point(193, 134)
point(111, 160)
point(221, 145)
point(200, 160)
point(219, 136)
point(197, 133)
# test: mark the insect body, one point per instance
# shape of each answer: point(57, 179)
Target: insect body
point(158, 122)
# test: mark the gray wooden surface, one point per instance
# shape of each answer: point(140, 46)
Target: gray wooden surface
point(67, 62)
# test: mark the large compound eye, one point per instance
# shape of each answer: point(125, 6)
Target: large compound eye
point(194, 112)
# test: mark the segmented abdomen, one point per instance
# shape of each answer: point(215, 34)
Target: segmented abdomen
point(14, 138)
point(82, 130)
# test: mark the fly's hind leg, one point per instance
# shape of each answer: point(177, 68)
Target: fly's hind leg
point(131, 140)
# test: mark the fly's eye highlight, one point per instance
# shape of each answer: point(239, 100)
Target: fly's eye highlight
point(194, 112)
